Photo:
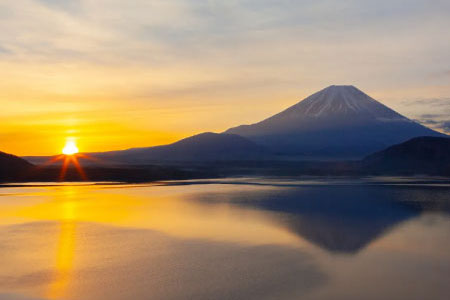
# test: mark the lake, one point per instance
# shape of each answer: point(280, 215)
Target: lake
point(236, 238)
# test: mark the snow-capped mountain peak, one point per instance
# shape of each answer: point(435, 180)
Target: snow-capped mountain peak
point(341, 100)
point(338, 121)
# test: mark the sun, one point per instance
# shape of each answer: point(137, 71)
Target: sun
point(70, 148)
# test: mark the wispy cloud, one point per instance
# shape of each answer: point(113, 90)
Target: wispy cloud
point(430, 102)
point(445, 126)
point(3, 50)
point(432, 112)
point(439, 121)
point(238, 53)
point(70, 6)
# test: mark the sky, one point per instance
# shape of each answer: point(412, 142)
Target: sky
point(114, 74)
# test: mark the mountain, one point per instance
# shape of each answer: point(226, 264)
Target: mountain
point(202, 147)
point(12, 167)
point(341, 219)
point(422, 155)
point(336, 122)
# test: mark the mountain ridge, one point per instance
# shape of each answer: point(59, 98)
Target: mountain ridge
point(207, 146)
point(426, 155)
point(336, 122)
point(12, 167)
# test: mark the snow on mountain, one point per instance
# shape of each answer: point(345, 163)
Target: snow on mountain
point(341, 101)
point(336, 122)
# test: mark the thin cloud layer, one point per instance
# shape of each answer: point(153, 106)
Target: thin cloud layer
point(214, 55)
point(434, 112)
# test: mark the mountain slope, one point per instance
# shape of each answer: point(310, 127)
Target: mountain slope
point(422, 155)
point(336, 122)
point(202, 147)
point(12, 167)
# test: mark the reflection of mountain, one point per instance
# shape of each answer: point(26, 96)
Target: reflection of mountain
point(339, 218)
point(342, 218)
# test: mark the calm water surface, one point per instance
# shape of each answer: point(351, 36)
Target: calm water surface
point(227, 239)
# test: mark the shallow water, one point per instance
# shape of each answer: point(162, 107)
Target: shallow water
point(242, 238)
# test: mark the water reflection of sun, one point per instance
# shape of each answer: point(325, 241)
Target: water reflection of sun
point(65, 251)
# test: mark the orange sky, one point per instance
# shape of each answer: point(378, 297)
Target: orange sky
point(121, 74)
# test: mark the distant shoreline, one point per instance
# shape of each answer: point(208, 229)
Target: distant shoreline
point(210, 170)
point(259, 181)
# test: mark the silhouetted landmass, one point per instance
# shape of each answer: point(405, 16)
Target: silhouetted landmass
point(202, 147)
point(418, 156)
point(338, 122)
point(13, 167)
point(422, 155)
point(115, 174)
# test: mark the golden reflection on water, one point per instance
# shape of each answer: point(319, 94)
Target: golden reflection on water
point(90, 240)
point(65, 254)
point(65, 251)
point(157, 209)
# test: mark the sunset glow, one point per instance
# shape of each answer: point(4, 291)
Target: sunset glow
point(122, 74)
point(70, 148)
point(218, 149)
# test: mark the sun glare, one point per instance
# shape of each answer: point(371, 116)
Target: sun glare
point(70, 148)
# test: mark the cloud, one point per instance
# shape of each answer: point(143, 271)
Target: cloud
point(434, 102)
point(302, 33)
point(432, 112)
point(445, 125)
point(70, 6)
point(152, 53)
point(441, 74)
point(3, 50)
point(427, 121)
point(430, 116)
point(437, 121)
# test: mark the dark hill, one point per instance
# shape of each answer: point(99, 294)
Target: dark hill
point(13, 167)
point(202, 147)
point(422, 155)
